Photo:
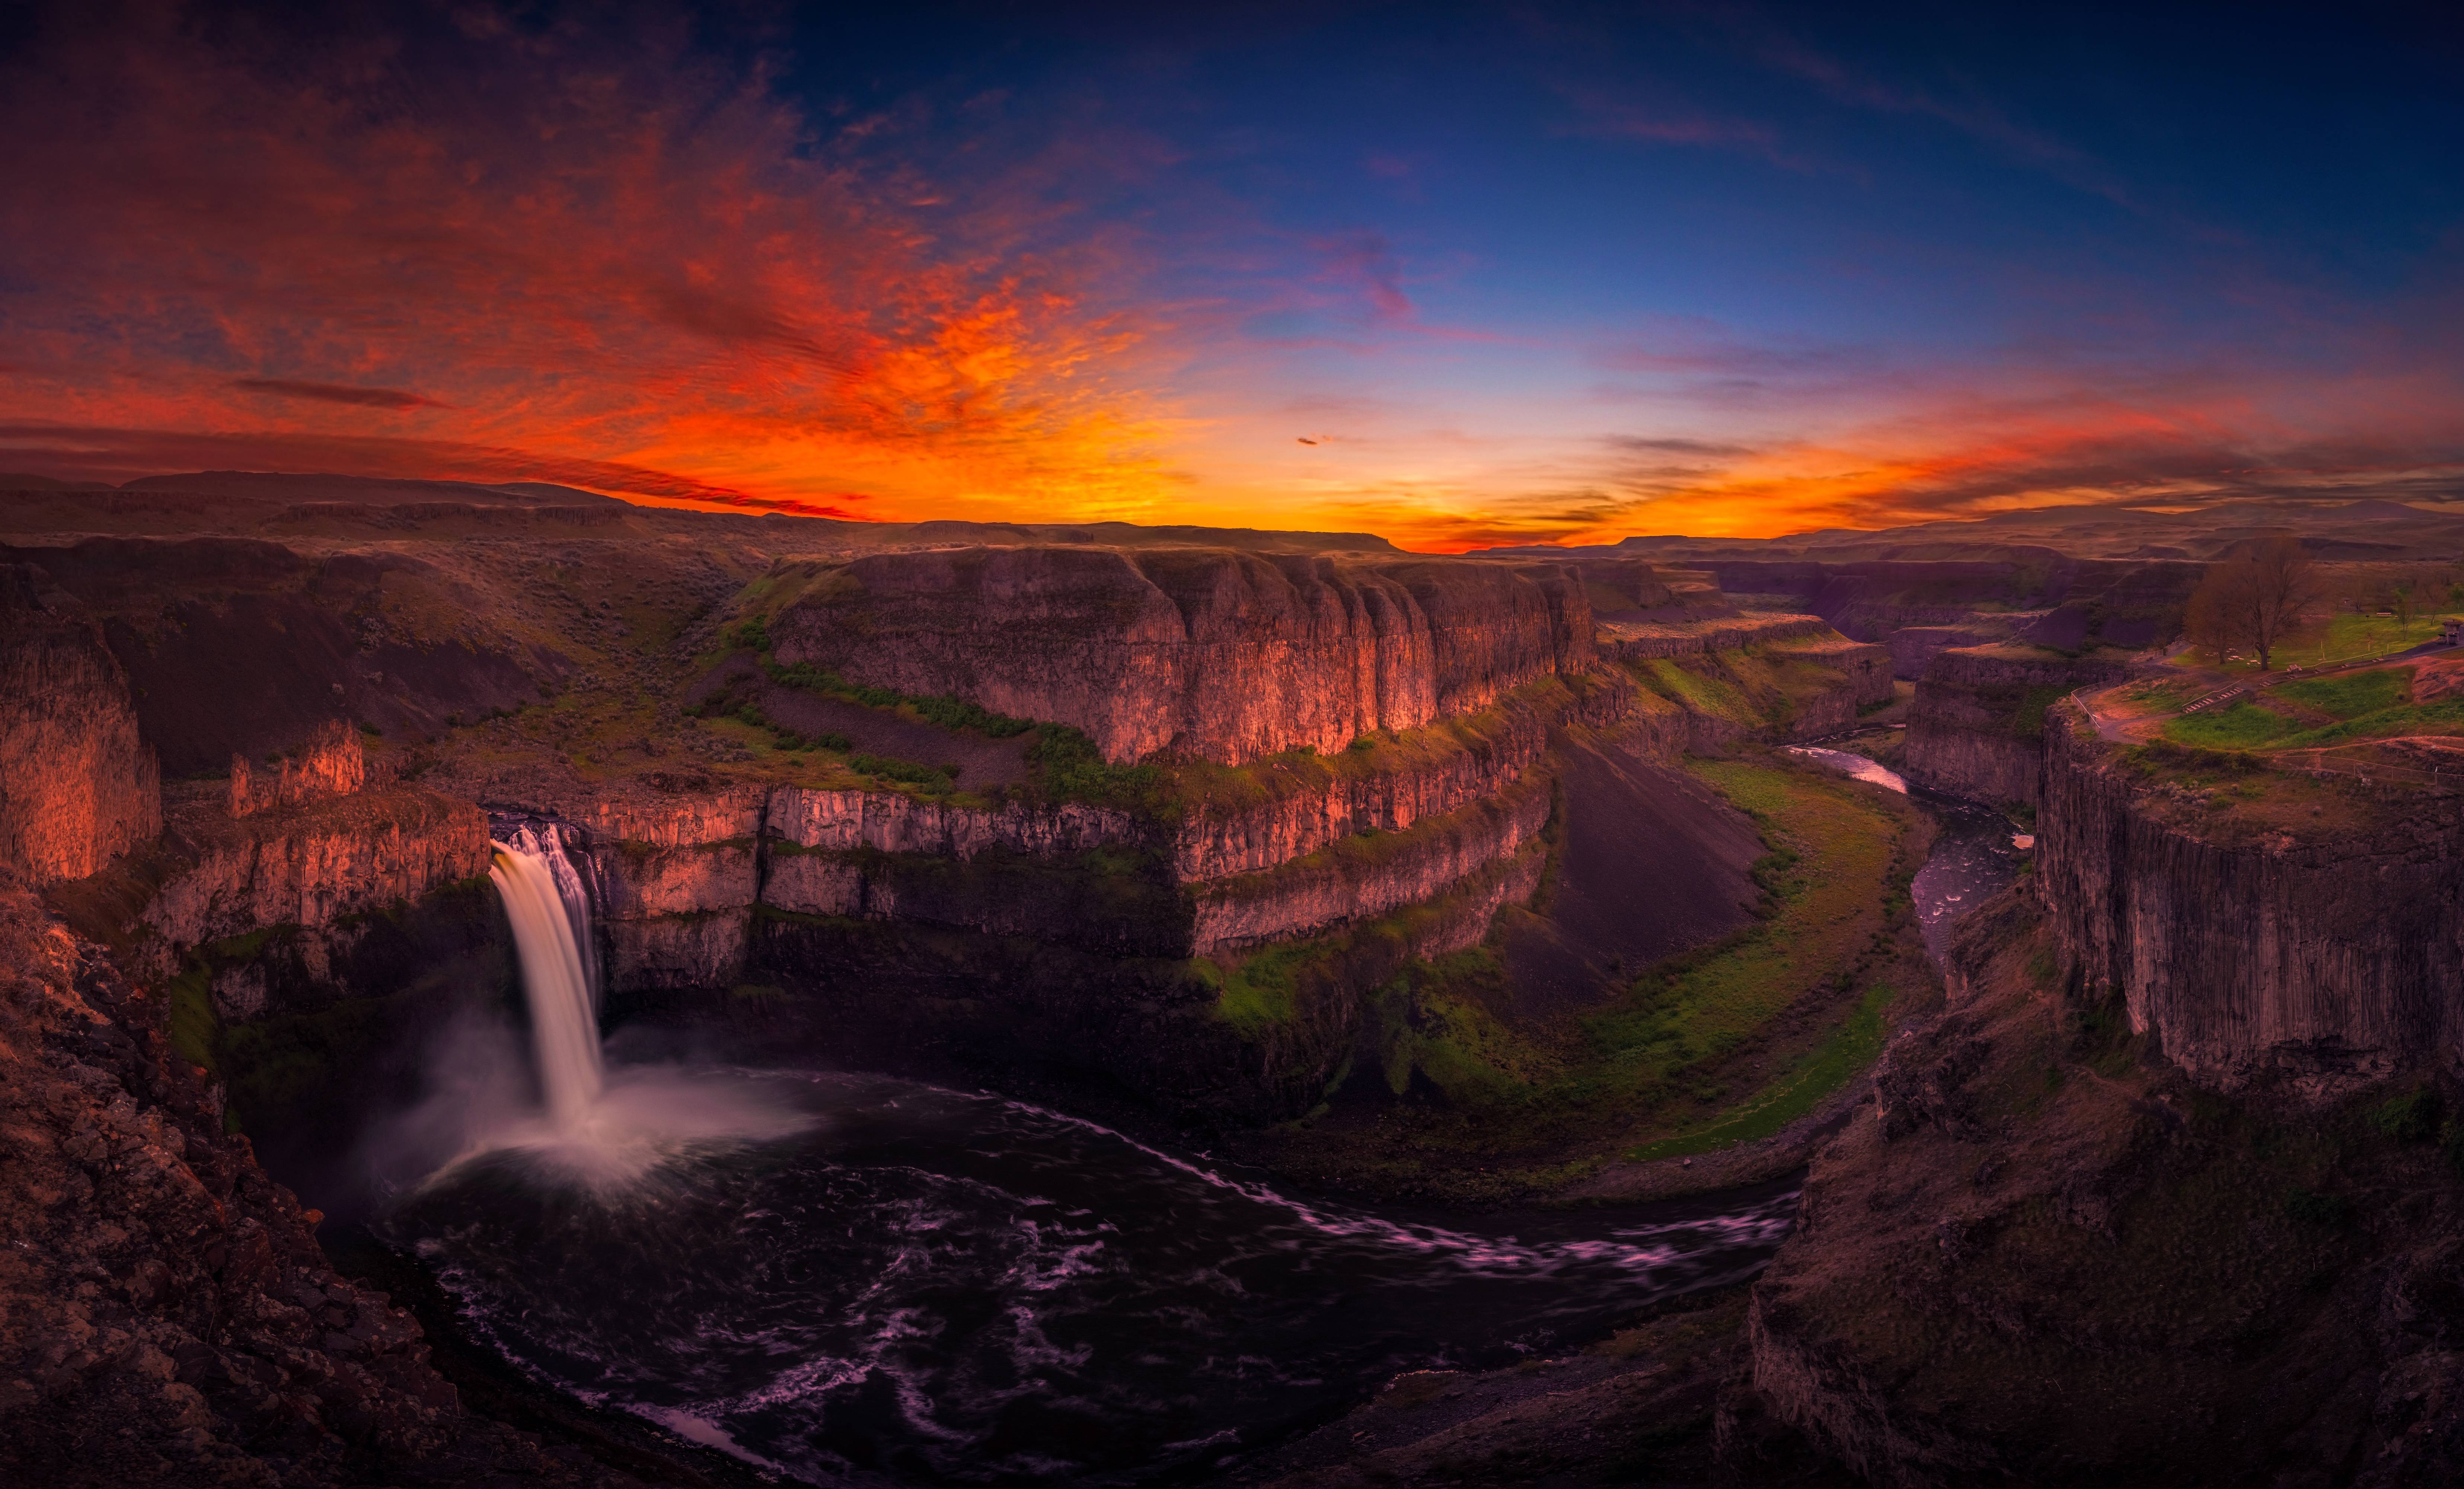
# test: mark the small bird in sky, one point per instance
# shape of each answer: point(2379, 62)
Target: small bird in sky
point(1304, 439)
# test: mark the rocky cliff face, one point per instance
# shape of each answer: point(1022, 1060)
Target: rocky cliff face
point(1628, 639)
point(330, 764)
point(306, 867)
point(1293, 807)
point(2241, 946)
point(1210, 653)
point(166, 1315)
point(2044, 1257)
point(1976, 727)
point(1367, 877)
point(76, 786)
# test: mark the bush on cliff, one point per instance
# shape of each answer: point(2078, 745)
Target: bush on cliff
point(1067, 767)
point(954, 714)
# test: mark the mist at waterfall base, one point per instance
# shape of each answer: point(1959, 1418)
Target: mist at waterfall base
point(563, 1116)
point(858, 1279)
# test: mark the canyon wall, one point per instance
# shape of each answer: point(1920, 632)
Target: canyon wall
point(308, 867)
point(1208, 654)
point(1976, 726)
point(76, 785)
point(1370, 875)
point(2032, 594)
point(2332, 955)
point(1624, 639)
point(166, 1315)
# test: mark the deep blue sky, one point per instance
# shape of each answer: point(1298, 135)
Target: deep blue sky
point(1451, 273)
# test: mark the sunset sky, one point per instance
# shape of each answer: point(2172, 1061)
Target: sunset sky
point(1459, 276)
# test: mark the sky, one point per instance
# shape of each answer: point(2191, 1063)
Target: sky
point(1462, 277)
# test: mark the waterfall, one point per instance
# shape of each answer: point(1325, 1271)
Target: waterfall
point(551, 918)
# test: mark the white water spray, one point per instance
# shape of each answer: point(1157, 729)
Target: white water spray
point(605, 1128)
point(556, 972)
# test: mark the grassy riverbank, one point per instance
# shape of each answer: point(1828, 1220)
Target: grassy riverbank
point(1484, 1099)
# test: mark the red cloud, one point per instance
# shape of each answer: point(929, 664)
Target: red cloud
point(628, 258)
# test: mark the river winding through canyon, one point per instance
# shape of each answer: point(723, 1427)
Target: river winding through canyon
point(1975, 851)
point(857, 1279)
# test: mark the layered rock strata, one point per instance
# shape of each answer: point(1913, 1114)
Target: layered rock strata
point(76, 785)
point(1278, 810)
point(309, 867)
point(2244, 949)
point(1627, 639)
point(1367, 876)
point(1976, 726)
point(1209, 654)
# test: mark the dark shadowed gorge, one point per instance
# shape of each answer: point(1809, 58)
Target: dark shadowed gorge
point(1476, 902)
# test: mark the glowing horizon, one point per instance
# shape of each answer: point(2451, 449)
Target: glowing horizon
point(1530, 289)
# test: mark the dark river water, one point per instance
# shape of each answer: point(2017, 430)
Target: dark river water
point(927, 1286)
point(1975, 850)
point(932, 1287)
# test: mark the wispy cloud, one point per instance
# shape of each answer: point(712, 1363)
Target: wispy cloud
point(337, 392)
point(1602, 115)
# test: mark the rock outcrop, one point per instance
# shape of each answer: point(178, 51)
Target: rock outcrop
point(1281, 809)
point(76, 785)
point(330, 764)
point(1208, 654)
point(1626, 639)
point(2242, 947)
point(308, 867)
point(1369, 876)
point(165, 1314)
point(1976, 726)
point(2045, 1257)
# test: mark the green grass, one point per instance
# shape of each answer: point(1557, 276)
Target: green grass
point(2242, 726)
point(1725, 1044)
point(1698, 1009)
point(1851, 1047)
point(1700, 693)
point(2352, 694)
point(2444, 717)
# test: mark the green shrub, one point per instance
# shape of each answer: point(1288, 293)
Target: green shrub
point(752, 634)
point(1068, 767)
point(890, 768)
point(2411, 1118)
point(954, 714)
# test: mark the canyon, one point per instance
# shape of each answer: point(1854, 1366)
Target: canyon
point(1192, 829)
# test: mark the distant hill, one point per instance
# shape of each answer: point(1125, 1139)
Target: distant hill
point(11, 481)
point(283, 486)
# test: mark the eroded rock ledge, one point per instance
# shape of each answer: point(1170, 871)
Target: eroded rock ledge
point(2330, 951)
point(1212, 654)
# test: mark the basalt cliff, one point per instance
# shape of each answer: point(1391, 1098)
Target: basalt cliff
point(1190, 829)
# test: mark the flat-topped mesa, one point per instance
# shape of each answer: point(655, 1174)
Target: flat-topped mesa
point(1208, 654)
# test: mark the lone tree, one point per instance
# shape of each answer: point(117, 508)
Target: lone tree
point(2252, 597)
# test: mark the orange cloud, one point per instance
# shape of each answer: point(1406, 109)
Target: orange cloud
point(631, 267)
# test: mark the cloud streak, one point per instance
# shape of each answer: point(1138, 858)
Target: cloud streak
point(637, 259)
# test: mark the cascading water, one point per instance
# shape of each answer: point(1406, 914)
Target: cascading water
point(604, 1127)
point(857, 1279)
point(541, 901)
